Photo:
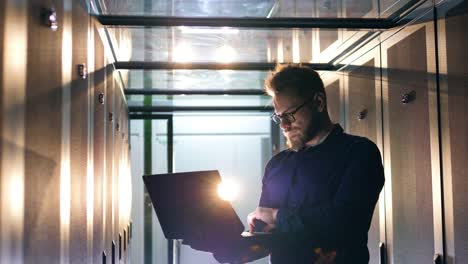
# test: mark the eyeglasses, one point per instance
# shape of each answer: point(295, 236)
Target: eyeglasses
point(288, 116)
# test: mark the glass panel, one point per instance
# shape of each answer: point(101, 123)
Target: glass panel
point(361, 120)
point(237, 145)
point(200, 100)
point(159, 164)
point(246, 8)
point(409, 145)
point(196, 79)
point(453, 18)
point(226, 45)
point(137, 252)
point(148, 156)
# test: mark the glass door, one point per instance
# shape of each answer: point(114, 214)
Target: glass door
point(151, 142)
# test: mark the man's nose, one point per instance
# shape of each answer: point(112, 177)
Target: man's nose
point(285, 125)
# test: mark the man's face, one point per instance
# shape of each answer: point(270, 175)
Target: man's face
point(306, 123)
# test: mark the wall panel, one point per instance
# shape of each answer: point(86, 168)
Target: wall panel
point(53, 147)
point(2, 23)
point(362, 118)
point(109, 175)
point(411, 151)
point(287, 41)
point(79, 136)
point(46, 173)
point(12, 152)
point(99, 148)
point(453, 40)
point(116, 168)
point(334, 104)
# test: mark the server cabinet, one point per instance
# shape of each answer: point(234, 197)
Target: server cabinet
point(46, 160)
point(109, 176)
point(76, 25)
point(334, 102)
point(116, 231)
point(363, 118)
point(413, 202)
point(453, 76)
point(99, 149)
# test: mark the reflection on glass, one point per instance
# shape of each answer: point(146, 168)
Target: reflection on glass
point(225, 54)
point(198, 79)
point(201, 100)
point(246, 8)
point(205, 44)
point(183, 53)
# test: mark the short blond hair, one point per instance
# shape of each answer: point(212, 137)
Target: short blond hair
point(293, 79)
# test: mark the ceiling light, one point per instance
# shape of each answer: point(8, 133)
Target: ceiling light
point(222, 30)
point(182, 53)
point(225, 54)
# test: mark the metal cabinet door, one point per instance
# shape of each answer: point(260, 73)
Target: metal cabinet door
point(99, 140)
point(115, 164)
point(453, 40)
point(46, 160)
point(110, 238)
point(334, 103)
point(412, 173)
point(76, 28)
point(363, 118)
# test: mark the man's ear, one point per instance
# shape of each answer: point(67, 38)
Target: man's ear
point(320, 101)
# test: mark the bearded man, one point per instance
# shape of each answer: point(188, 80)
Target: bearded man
point(323, 189)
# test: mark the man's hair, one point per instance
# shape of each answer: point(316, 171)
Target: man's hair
point(295, 80)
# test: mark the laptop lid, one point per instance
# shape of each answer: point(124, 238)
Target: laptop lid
point(187, 204)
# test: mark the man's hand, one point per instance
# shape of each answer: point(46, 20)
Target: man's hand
point(267, 215)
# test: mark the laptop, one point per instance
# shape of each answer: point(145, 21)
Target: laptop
point(187, 203)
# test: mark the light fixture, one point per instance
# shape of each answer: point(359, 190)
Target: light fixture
point(201, 30)
point(225, 54)
point(182, 53)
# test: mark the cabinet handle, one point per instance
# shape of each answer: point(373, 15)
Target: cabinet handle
point(437, 259)
point(383, 259)
point(408, 97)
point(362, 114)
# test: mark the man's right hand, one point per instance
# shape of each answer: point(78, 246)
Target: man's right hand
point(267, 215)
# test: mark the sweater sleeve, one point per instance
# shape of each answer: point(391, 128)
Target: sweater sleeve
point(345, 219)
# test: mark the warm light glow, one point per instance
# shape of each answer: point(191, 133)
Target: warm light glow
point(182, 53)
point(65, 192)
point(90, 194)
point(280, 56)
point(295, 44)
point(269, 53)
point(222, 30)
point(125, 190)
point(15, 190)
point(225, 54)
point(228, 190)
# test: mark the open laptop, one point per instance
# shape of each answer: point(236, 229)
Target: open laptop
point(187, 202)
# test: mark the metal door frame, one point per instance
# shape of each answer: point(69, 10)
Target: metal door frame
point(173, 245)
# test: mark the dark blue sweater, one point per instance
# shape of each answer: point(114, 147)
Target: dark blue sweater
point(326, 196)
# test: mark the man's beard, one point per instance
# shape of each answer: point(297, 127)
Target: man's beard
point(304, 135)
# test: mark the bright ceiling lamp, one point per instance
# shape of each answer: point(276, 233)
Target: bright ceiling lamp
point(228, 190)
point(200, 30)
point(225, 54)
point(182, 53)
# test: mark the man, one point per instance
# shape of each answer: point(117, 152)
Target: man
point(323, 189)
